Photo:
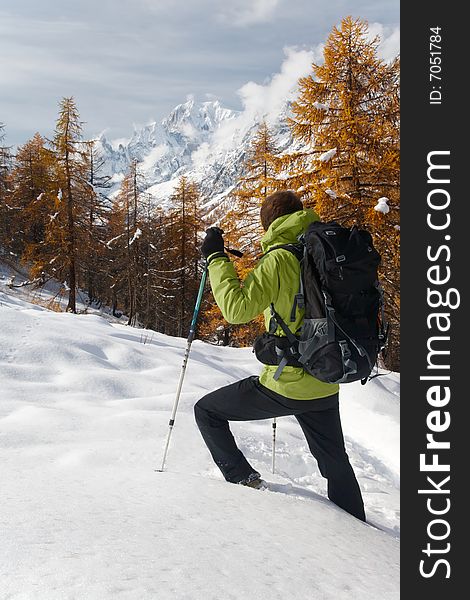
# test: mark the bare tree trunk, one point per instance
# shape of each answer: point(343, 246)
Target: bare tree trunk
point(71, 306)
point(91, 217)
point(183, 265)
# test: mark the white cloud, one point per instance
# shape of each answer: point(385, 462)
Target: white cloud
point(260, 101)
point(201, 155)
point(152, 157)
point(248, 12)
point(268, 99)
point(188, 130)
point(237, 13)
point(389, 46)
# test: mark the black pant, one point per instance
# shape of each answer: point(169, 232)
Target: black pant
point(248, 400)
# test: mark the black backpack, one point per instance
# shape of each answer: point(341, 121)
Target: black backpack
point(344, 328)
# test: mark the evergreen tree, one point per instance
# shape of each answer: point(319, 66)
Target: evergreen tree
point(260, 178)
point(347, 118)
point(116, 254)
point(96, 209)
point(183, 252)
point(149, 259)
point(33, 195)
point(124, 227)
point(243, 230)
point(71, 177)
point(160, 268)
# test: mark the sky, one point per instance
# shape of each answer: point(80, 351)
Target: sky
point(129, 62)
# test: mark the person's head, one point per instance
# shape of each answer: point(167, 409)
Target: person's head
point(278, 204)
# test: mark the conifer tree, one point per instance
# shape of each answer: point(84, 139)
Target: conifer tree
point(96, 208)
point(149, 259)
point(243, 230)
point(260, 178)
point(157, 248)
point(347, 118)
point(69, 206)
point(33, 194)
point(125, 231)
point(184, 226)
point(116, 255)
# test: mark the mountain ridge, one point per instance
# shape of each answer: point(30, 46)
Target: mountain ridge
point(205, 141)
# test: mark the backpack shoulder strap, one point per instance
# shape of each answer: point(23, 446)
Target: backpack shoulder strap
point(296, 249)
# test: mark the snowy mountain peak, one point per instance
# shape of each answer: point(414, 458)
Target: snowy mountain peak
point(191, 118)
point(204, 140)
point(164, 147)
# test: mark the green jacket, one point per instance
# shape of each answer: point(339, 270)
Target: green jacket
point(274, 279)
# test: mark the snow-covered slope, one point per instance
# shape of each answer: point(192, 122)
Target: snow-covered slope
point(83, 418)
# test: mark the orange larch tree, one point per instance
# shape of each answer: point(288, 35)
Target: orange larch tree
point(347, 118)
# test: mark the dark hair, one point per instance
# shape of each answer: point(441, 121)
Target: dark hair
point(278, 204)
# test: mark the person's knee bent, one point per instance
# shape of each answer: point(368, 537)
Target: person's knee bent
point(204, 412)
point(200, 413)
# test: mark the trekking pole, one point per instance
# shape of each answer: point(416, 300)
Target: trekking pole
point(192, 333)
point(274, 444)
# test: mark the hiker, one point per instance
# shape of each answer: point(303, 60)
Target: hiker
point(314, 403)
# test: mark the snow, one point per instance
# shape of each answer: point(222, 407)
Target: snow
point(117, 142)
point(163, 191)
point(204, 140)
point(110, 242)
point(382, 205)
point(331, 193)
point(326, 156)
point(59, 195)
point(148, 163)
point(83, 419)
point(117, 178)
point(320, 106)
point(136, 236)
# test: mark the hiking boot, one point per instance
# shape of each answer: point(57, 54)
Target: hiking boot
point(253, 480)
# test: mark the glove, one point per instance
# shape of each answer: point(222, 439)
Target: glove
point(213, 242)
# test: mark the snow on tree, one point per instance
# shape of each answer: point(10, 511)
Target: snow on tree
point(71, 174)
point(137, 234)
point(33, 192)
point(382, 205)
point(326, 156)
